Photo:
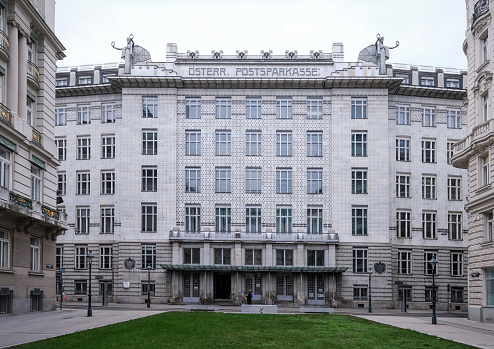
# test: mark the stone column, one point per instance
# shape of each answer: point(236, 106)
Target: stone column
point(13, 69)
point(22, 77)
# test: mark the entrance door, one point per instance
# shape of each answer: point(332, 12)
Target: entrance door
point(254, 282)
point(222, 285)
point(191, 289)
point(284, 287)
point(315, 289)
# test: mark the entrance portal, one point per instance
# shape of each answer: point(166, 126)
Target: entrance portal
point(254, 282)
point(222, 285)
point(315, 289)
point(284, 287)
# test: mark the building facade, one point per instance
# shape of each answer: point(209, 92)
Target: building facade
point(305, 179)
point(474, 153)
point(29, 221)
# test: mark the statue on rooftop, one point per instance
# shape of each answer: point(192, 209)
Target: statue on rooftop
point(132, 54)
point(377, 53)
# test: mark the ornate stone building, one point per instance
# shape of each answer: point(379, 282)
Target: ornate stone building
point(29, 222)
point(288, 175)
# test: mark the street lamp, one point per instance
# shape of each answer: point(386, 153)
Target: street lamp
point(89, 257)
point(433, 262)
point(149, 285)
point(370, 298)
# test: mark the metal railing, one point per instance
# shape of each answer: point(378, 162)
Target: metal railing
point(33, 71)
point(481, 7)
point(5, 114)
point(36, 136)
point(4, 42)
point(276, 237)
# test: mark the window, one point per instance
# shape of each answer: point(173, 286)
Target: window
point(489, 286)
point(283, 219)
point(284, 257)
point(108, 182)
point(428, 117)
point(402, 115)
point(314, 144)
point(359, 143)
point(149, 142)
point(359, 181)
point(82, 220)
point(283, 144)
point(61, 144)
point(83, 183)
point(405, 291)
point(452, 83)
point(104, 77)
point(192, 218)
point(253, 219)
point(485, 107)
point(429, 269)
point(253, 183)
point(107, 220)
point(223, 143)
point(253, 257)
point(359, 220)
point(454, 226)
point(428, 187)
point(85, 80)
point(428, 151)
point(29, 112)
point(222, 256)
point(149, 178)
point(60, 116)
point(457, 295)
point(223, 219)
point(360, 260)
point(83, 116)
point(314, 181)
point(108, 147)
point(403, 225)
point(192, 255)
point(405, 77)
point(105, 257)
point(315, 258)
point(454, 119)
point(83, 148)
point(223, 180)
point(58, 257)
point(314, 220)
point(283, 181)
point(62, 184)
point(149, 217)
point(148, 256)
point(485, 48)
point(253, 108)
point(5, 167)
point(192, 180)
point(35, 255)
point(108, 113)
point(193, 108)
point(403, 185)
point(402, 149)
point(456, 263)
point(80, 257)
point(223, 108)
point(360, 292)
point(429, 225)
point(488, 226)
point(283, 108)
point(485, 171)
point(80, 286)
point(192, 142)
point(149, 107)
point(427, 81)
point(61, 82)
point(314, 108)
point(4, 249)
point(449, 151)
point(429, 296)
point(359, 108)
point(144, 287)
point(35, 183)
point(253, 143)
point(404, 262)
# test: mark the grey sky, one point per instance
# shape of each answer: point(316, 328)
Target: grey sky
point(431, 32)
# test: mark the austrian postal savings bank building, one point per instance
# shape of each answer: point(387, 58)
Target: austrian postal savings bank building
point(293, 176)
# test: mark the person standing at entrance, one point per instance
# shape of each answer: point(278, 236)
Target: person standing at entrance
point(249, 297)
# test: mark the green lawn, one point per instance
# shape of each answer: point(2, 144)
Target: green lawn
point(219, 330)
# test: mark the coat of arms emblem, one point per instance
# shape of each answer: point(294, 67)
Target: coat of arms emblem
point(129, 263)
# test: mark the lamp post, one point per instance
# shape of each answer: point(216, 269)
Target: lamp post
point(370, 298)
point(433, 262)
point(89, 257)
point(149, 285)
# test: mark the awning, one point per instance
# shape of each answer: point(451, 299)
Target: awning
point(252, 268)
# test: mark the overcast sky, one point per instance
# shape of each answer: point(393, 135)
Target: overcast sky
point(430, 32)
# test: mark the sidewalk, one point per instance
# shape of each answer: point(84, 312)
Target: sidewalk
point(16, 330)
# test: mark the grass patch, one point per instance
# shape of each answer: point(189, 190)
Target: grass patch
point(224, 330)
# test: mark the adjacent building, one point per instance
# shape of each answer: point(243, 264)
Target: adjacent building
point(303, 178)
point(29, 221)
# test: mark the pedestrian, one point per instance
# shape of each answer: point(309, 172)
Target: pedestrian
point(249, 297)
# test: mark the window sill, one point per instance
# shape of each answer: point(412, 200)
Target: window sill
point(7, 271)
point(486, 243)
point(148, 232)
point(483, 189)
point(483, 65)
point(36, 273)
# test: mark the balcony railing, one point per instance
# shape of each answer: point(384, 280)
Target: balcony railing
point(481, 8)
point(36, 136)
point(19, 200)
point(33, 71)
point(274, 237)
point(4, 42)
point(5, 114)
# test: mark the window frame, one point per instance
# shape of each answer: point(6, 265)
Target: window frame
point(223, 180)
point(358, 108)
point(314, 143)
point(223, 143)
point(284, 181)
point(403, 149)
point(108, 113)
point(253, 143)
point(429, 225)
point(149, 178)
point(107, 182)
point(314, 108)
point(284, 143)
point(83, 182)
point(429, 187)
point(283, 108)
point(253, 180)
point(360, 259)
point(223, 218)
point(405, 262)
point(284, 219)
point(149, 217)
point(83, 148)
point(402, 115)
point(223, 108)
point(193, 108)
point(192, 146)
point(356, 150)
point(83, 219)
point(192, 218)
point(403, 224)
point(83, 115)
point(192, 179)
point(149, 107)
point(359, 180)
point(107, 219)
point(253, 108)
point(253, 219)
point(454, 118)
point(108, 146)
point(314, 181)
point(149, 141)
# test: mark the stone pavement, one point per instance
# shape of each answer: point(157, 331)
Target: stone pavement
point(15, 330)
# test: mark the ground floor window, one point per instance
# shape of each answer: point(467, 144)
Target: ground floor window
point(80, 287)
point(360, 292)
point(429, 295)
point(191, 286)
point(6, 299)
point(144, 287)
point(36, 300)
point(489, 287)
point(284, 287)
point(407, 291)
point(457, 294)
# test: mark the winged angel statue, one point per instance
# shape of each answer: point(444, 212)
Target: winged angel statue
point(132, 54)
point(377, 53)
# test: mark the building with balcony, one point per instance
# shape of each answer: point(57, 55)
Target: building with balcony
point(292, 176)
point(475, 153)
point(29, 221)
